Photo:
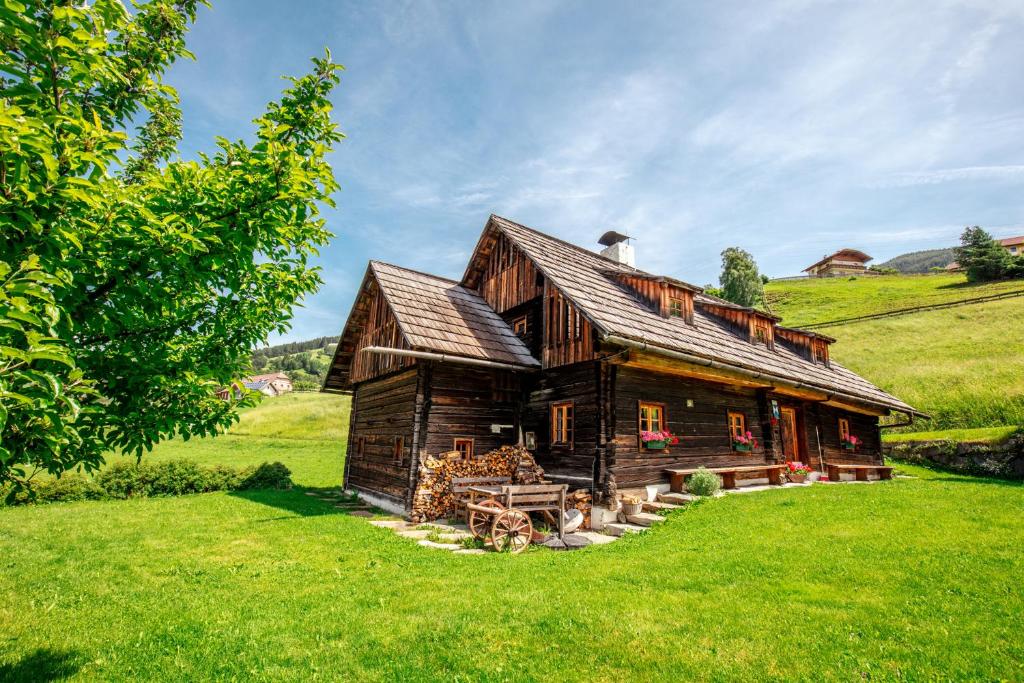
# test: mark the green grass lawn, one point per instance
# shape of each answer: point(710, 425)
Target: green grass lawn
point(814, 300)
point(828, 582)
point(990, 435)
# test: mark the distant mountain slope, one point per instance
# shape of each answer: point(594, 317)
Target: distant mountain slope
point(306, 362)
point(921, 261)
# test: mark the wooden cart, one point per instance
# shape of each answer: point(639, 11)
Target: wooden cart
point(504, 512)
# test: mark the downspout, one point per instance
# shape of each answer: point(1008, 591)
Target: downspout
point(445, 358)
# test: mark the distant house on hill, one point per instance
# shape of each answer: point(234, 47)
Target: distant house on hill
point(843, 262)
point(278, 381)
point(263, 386)
point(1014, 245)
point(272, 384)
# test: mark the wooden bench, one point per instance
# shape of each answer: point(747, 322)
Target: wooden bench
point(462, 488)
point(677, 477)
point(835, 469)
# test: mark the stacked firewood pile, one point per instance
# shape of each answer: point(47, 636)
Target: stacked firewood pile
point(581, 500)
point(434, 498)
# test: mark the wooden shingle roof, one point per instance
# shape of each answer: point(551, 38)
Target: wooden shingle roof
point(581, 276)
point(438, 314)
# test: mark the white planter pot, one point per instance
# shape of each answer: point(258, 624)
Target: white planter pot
point(652, 493)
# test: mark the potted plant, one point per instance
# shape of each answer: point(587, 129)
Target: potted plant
point(850, 443)
point(744, 442)
point(797, 472)
point(658, 440)
point(632, 505)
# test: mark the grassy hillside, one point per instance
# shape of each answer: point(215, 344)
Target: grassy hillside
point(277, 585)
point(964, 365)
point(305, 431)
point(812, 300)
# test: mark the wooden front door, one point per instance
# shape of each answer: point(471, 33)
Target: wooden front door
point(790, 435)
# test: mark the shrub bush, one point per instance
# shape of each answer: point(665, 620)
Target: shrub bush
point(67, 488)
point(269, 475)
point(168, 478)
point(703, 482)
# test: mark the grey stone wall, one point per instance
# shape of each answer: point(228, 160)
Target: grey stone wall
point(1005, 460)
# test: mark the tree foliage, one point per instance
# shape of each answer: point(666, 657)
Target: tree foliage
point(740, 279)
point(129, 292)
point(981, 257)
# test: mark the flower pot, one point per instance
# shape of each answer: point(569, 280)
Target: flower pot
point(849, 446)
point(741, 447)
point(797, 478)
point(655, 445)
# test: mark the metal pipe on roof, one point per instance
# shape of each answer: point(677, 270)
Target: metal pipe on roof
point(774, 380)
point(446, 358)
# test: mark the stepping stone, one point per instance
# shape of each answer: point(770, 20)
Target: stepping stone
point(390, 523)
point(655, 506)
point(414, 533)
point(440, 546)
point(597, 538)
point(454, 538)
point(312, 493)
point(361, 513)
point(575, 541)
point(342, 506)
point(443, 528)
point(676, 498)
point(616, 529)
point(645, 519)
point(469, 551)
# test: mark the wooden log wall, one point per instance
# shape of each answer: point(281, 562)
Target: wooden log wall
point(509, 278)
point(703, 429)
point(533, 312)
point(464, 402)
point(579, 384)
point(381, 330)
point(382, 411)
point(805, 344)
point(568, 336)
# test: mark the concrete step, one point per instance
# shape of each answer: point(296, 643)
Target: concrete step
point(617, 529)
point(676, 498)
point(470, 551)
point(645, 519)
point(657, 506)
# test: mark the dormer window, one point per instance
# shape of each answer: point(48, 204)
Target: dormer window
point(761, 331)
point(820, 351)
point(675, 308)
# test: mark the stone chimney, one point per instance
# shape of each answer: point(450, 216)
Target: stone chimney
point(617, 248)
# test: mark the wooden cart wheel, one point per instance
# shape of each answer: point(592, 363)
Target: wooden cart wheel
point(480, 522)
point(512, 531)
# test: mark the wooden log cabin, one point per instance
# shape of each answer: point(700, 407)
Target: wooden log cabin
point(575, 355)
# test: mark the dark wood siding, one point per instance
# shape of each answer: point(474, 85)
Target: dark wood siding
point(703, 428)
point(864, 427)
point(579, 384)
point(509, 278)
point(464, 402)
point(383, 410)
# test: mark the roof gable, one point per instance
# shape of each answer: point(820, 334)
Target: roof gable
point(432, 314)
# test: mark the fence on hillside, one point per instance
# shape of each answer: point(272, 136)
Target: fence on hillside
point(915, 309)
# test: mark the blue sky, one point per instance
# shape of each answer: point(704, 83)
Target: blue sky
point(788, 128)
